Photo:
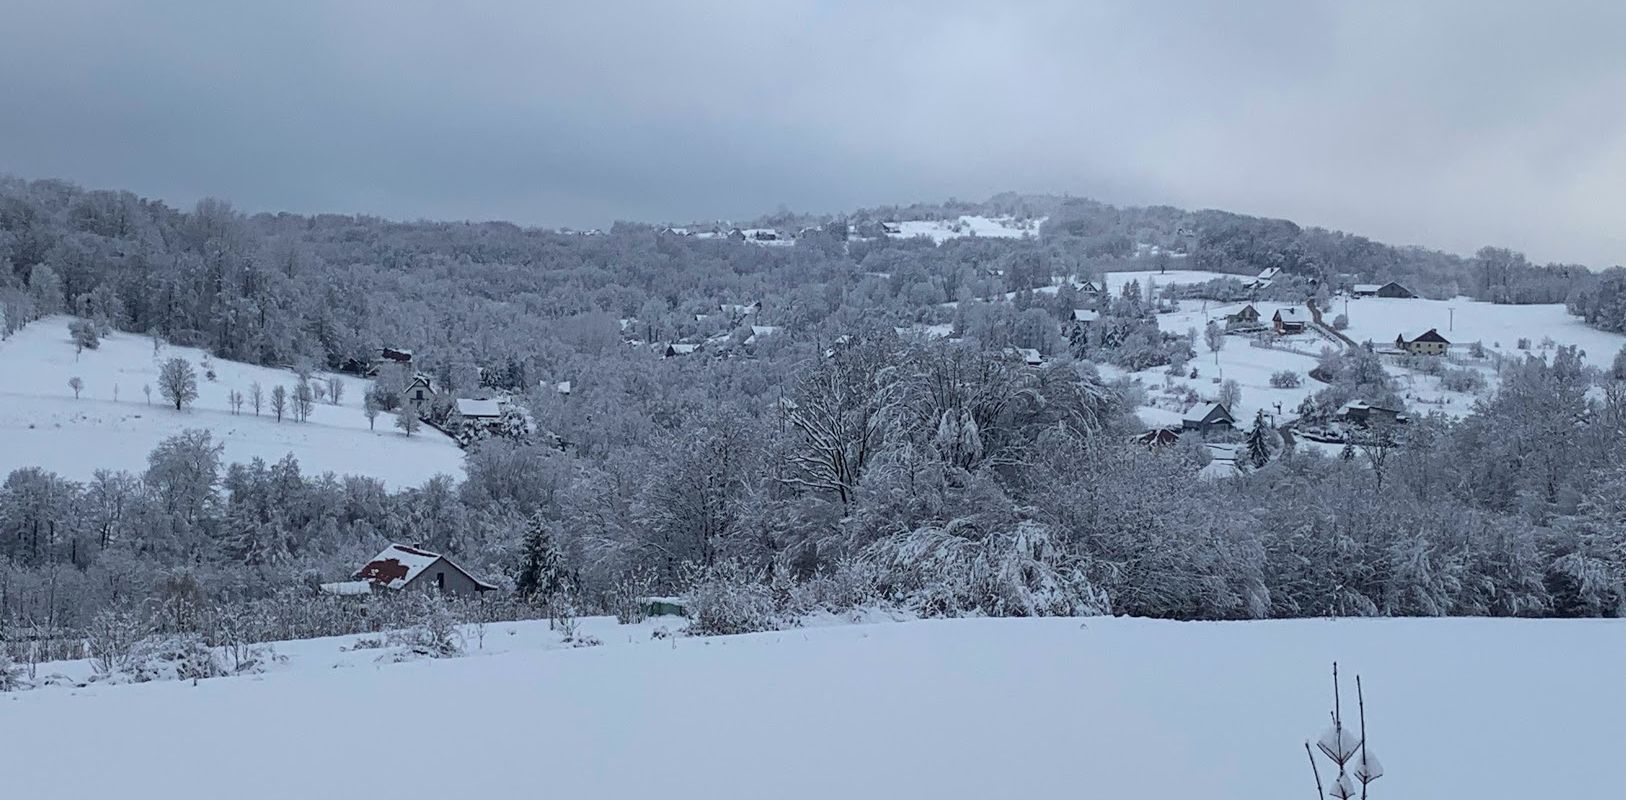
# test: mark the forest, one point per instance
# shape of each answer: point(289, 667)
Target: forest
point(839, 458)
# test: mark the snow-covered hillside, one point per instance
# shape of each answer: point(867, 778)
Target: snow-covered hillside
point(43, 425)
point(1464, 321)
point(977, 708)
point(942, 230)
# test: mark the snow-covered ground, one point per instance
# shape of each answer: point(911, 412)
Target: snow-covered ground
point(942, 230)
point(43, 425)
point(1488, 709)
point(1464, 321)
point(1175, 277)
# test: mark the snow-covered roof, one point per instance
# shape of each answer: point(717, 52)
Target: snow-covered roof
point(396, 566)
point(562, 387)
point(1202, 412)
point(683, 349)
point(764, 330)
point(1085, 315)
point(479, 408)
point(1269, 272)
point(1293, 314)
point(348, 587)
point(1217, 469)
point(399, 564)
point(1366, 288)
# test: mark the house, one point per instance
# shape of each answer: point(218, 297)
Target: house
point(1366, 414)
point(1077, 328)
point(1429, 344)
point(1290, 320)
point(1207, 419)
point(1028, 355)
point(1266, 277)
point(479, 410)
point(738, 310)
point(679, 349)
point(1248, 317)
point(401, 567)
point(1390, 289)
point(1090, 288)
point(395, 355)
point(1158, 437)
point(420, 390)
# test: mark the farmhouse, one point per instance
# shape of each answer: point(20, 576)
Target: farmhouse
point(1246, 318)
point(1206, 419)
point(401, 567)
point(1290, 320)
point(1390, 289)
point(420, 390)
point(479, 410)
point(1365, 414)
point(1077, 329)
point(1429, 344)
point(1266, 277)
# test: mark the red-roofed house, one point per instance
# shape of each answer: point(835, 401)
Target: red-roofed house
point(402, 567)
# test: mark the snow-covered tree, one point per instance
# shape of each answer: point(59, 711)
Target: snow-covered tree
point(178, 382)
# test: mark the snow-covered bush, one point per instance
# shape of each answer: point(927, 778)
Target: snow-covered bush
point(434, 633)
point(181, 657)
point(113, 637)
point(625, 596)
point(728, 598)
point(1285, 379)
point(1340, 322)
point(11, 673)
point(1462, 380)
point(1025, 572)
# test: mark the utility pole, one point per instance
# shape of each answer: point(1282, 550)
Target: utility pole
point(1451, 323)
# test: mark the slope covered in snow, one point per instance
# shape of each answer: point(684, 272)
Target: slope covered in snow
point(942, 230)
point(1464, 321)
point(1489, 709)
point(43, 425)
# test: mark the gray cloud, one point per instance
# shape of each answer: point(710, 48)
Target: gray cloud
point(1449, 124)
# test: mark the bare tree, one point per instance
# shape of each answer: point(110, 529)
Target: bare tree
point(235, 397)
point(841, 413)
point(256, 396)
point(369, 406)
point(146, 388)
point(304, 400)
point(178, 382)
point(76, 383)
point(279, 401)
point(335, 390)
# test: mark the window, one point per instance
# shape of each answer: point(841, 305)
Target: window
point(440, 581)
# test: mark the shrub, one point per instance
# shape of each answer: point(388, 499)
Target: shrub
point(1286, 379)
point(729, 598)
point(84, 334)
point(112, 638)
point(1462, 380)
point(1340, 322)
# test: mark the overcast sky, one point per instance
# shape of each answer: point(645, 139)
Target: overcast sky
point(1448, 124)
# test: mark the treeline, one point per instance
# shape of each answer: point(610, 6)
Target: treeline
point(922, 474)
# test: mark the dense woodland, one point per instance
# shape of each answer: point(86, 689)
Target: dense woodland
point(833, 454)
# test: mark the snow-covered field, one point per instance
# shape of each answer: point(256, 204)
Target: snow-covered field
point(942, 230)
point(977, 708)
point(1115, 281)
point(1465, 321)
point(43, 425)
